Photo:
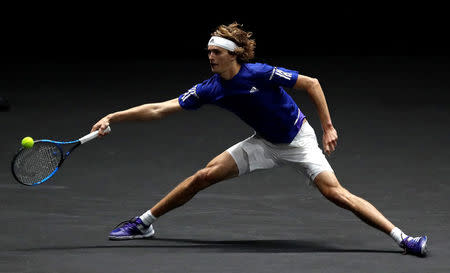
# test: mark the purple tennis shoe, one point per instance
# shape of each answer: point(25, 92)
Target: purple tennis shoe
point(132, 229)
point(415, 245)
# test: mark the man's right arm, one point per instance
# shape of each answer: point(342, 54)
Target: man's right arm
point(150, 111)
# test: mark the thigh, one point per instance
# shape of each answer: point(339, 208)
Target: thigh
point(223, 167)
point(252, 154)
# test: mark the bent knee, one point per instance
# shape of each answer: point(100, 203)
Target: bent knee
point(202, 179)
point(340, 196)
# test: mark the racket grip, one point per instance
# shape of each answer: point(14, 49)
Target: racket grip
point(93, 135)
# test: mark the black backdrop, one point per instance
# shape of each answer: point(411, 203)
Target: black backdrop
point(177, 30)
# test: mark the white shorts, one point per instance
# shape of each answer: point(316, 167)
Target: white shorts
point(303, 154)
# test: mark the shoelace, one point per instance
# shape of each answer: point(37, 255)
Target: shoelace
point(415, 240)
point(126, 222)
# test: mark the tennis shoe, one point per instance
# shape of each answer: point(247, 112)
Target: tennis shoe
point(132, 229)
point(415, 245)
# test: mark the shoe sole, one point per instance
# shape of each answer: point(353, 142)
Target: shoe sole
point(145, 236)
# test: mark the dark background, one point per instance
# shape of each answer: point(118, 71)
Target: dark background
point(180, 30)
point(385, 73)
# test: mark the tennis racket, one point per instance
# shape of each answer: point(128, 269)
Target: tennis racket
point(35, 165)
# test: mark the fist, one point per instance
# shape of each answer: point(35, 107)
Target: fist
point(329, 140)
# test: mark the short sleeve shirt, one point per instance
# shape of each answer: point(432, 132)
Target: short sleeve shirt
point(256, 95)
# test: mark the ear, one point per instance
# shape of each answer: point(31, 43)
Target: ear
point(233, 55)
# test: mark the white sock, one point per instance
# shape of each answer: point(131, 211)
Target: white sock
point(397, 235)
point(148, 218)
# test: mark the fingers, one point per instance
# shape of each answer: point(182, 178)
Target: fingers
point(327, 150)
point(329, 146)
point(101, 127)
point(332, 147)
point(329, 141)
point(95, 128)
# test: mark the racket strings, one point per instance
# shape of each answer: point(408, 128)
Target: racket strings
point(34, 165)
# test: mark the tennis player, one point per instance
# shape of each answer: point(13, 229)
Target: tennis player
point(283, 136)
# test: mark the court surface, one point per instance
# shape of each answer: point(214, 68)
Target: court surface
point(391, 114)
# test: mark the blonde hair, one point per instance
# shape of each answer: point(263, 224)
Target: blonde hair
point(246, 46)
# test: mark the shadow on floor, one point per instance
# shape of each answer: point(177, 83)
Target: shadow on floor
point(233, 246)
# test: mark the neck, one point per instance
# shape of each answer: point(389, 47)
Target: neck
point(230, 73)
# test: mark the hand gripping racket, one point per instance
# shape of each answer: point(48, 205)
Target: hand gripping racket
point(33, 166)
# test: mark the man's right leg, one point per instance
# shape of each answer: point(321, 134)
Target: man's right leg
point(220, 168)
point(244, 157)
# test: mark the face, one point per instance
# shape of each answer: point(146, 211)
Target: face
point(220, 59)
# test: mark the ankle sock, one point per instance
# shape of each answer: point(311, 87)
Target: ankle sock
point(397, 235)
point(148, 218)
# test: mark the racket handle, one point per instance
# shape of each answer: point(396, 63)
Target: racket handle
point(93, 135)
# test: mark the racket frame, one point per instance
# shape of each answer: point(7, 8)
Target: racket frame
point(64, 155)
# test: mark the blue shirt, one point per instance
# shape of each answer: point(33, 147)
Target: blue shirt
point(256, 96)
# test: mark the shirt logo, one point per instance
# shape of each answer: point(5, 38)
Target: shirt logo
point(192, 91)
point(253, 90)
point(280, 73)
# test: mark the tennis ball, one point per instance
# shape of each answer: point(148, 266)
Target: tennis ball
point(27, 142)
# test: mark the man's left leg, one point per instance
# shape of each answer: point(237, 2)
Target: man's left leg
point(329, 186)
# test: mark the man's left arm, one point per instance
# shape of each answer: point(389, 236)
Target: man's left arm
point(315, 92)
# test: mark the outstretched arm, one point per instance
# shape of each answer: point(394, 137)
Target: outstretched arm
point(150, 111)
point(312, 86)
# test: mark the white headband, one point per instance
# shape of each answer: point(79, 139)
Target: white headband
point(222, 42)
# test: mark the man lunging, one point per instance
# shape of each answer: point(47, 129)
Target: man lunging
point(283, 136)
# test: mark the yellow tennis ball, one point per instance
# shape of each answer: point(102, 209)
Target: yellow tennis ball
point(27, 142)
